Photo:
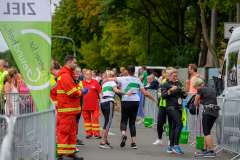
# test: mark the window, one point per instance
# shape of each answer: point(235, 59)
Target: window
point(232, 69)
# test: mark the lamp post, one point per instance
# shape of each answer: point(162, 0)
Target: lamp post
point(74, 54)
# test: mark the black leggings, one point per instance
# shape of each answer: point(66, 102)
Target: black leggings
point(207, 123)
point(129, 111)
point(175, 123)
point(107, 109)
point(161, 120)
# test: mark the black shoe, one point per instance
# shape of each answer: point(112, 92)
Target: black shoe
point(108, 143)
point(123, 140)
point(75, 157)
point(203, 152)
point(98, 136)
point(64, 157)
point(133, 145)
point(88, 136)
point(79, 143)
point(209, 155)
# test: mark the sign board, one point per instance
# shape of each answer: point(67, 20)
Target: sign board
point(228, 29)
point(26, 28)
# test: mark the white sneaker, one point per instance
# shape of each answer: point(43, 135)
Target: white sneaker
point(158, 142)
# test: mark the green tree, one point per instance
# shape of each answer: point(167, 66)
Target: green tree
point(69, 22)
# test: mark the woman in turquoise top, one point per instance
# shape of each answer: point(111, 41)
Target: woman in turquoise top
point(162, 111)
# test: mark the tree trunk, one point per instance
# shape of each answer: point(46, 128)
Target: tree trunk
point(181, 26)
point(206, 38)
point(176, 26)
point(203, 57)
point(148, 41)
point(197, 38)
point(213, 33)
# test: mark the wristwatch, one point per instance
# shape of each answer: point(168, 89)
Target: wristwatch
point(170, 90)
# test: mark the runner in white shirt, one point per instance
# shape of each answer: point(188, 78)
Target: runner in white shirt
point(130, 103)
point(107, 104)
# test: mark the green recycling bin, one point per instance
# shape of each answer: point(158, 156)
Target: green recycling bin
point(167, 130)
point(148, 122)
point(184, 137)
point(198, 142)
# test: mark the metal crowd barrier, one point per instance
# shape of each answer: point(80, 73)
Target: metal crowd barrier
point(229, 127)
point(22, 103)
point(28, 134)
point(150, 107)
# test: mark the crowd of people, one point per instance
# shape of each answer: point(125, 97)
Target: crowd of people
point(11, 83)
point(77, 92)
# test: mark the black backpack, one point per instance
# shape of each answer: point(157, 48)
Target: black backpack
point(191, 107)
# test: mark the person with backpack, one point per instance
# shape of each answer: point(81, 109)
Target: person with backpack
point(192, 69)
point(208, 99)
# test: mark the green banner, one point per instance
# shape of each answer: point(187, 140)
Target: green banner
point(26, 27)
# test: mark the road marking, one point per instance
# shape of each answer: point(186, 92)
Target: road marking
point(109, 133)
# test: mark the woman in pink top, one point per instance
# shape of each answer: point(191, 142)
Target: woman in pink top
point(25, 98)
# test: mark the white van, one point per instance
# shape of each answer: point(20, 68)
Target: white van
point(230, 88)
point(150, 69)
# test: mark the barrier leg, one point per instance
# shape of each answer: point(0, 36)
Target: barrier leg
point(192, 144)
point(141, 120)
point(152, 125)
point(219, 150)
point(217, 147)
point(235, 157)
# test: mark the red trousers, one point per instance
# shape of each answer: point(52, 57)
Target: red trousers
point(58, 123)
point(66, 141)
point(91, 124)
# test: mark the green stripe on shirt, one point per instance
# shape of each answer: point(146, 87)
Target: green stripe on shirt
point(131, 85)
point(107, 88)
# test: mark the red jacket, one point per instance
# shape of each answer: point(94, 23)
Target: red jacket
point(91, 98)
point(68, 93)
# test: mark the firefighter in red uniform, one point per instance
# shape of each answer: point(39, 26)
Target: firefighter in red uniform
point(69, 105)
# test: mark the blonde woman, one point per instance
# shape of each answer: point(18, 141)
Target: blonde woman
point(107, 104)
point(173, 92)
point(208, 99)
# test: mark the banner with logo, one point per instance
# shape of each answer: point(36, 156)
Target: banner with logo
point(26, 28)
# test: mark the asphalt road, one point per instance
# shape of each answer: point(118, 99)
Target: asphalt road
point(146, 151)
